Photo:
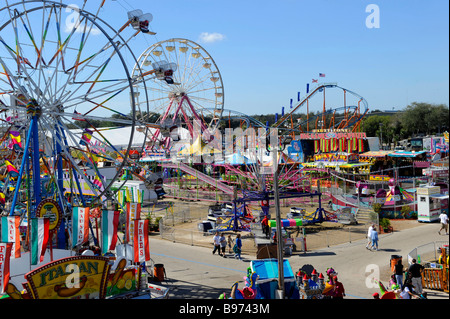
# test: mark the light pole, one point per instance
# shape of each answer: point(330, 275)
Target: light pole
point(381, 134)
point(280, 249)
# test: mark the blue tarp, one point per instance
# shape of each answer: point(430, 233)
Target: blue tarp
point(405, 154)
point(267, 283)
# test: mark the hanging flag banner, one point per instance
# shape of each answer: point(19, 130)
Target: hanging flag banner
point(140, 244)
point(16, 143)
point(80, 226)
point(39, 235)
point(133, 212)
point(5, 253)
point(11, 233)
point(110, 221)
point(12, 170)
point(86, 137)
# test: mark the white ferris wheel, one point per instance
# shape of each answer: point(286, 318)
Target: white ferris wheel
point(183, 86)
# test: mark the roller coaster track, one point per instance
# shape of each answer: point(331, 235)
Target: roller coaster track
point(355, 119)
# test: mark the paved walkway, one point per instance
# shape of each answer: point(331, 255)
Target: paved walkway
point(194, 273)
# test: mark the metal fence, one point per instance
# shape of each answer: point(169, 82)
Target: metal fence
point(427, 253)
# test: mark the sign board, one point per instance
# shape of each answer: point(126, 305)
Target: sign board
point(328, 135)
point(50, 209)
point(428, 190)
point(78, 277)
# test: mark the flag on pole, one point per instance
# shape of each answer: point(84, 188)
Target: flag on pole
point(5, 253)
point(80, 226)
point(13, 172)
point(140, 243)
point(322, 75)
point(15, 140)
point(110, 221)
point(133, 212)
point(86, 137)
point(315, 80)
point(11, 233)
point(39, 235)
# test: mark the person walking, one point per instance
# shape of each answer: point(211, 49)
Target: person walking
point(415, 271)
point(265, 226)
point(374, 238)
point(216, 240)
point(398, 272)
point(230, 243)
point(369, 236)
point(339, 290)
point(444, 223)
point(237, 247)
point(223, 244)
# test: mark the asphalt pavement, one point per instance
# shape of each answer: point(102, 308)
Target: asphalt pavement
point(193, 272)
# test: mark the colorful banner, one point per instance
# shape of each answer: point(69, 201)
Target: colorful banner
point(11, 233)
point(110, 221)
point(5, 253)
point(16, 143)
point(133, 212)
point(13, 172)
point(39, 235)
point(80, 226)
point(140, 245)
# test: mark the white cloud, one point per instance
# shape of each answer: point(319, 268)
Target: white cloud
point(207, 37)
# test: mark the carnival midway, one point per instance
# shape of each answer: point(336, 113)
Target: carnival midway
point(88, 183)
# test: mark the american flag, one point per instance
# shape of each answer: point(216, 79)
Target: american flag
point(322, 75)
point(314, 81)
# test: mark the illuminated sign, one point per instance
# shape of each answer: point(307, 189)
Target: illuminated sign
point(328, 135)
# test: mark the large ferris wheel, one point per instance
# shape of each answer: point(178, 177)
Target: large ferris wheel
point(64, 81)
point(183, 86)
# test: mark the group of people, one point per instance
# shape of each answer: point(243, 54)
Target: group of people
point(221, 243)
point(409, 287)
point(372, 238)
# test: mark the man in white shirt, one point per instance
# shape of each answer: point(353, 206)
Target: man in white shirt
point(216, 240)
point(444, 223)
point(369, 236)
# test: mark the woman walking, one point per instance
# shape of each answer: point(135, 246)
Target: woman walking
point(237, 247)
point(374, 238)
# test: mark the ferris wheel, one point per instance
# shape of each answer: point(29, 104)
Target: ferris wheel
point(184, 86)
point(65, 82)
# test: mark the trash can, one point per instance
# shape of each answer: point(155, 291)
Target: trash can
point(159, 272)
point(394, 260)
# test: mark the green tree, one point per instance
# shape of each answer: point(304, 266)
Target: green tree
point(425, 118)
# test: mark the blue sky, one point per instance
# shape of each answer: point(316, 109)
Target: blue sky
point(267, 51)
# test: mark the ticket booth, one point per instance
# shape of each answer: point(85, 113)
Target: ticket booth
point(429, 205)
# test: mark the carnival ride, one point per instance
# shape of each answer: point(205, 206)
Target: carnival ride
point(65, 80)
point(57, 86)
point(186, 91)
point(351, 117)
point(252, 163)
